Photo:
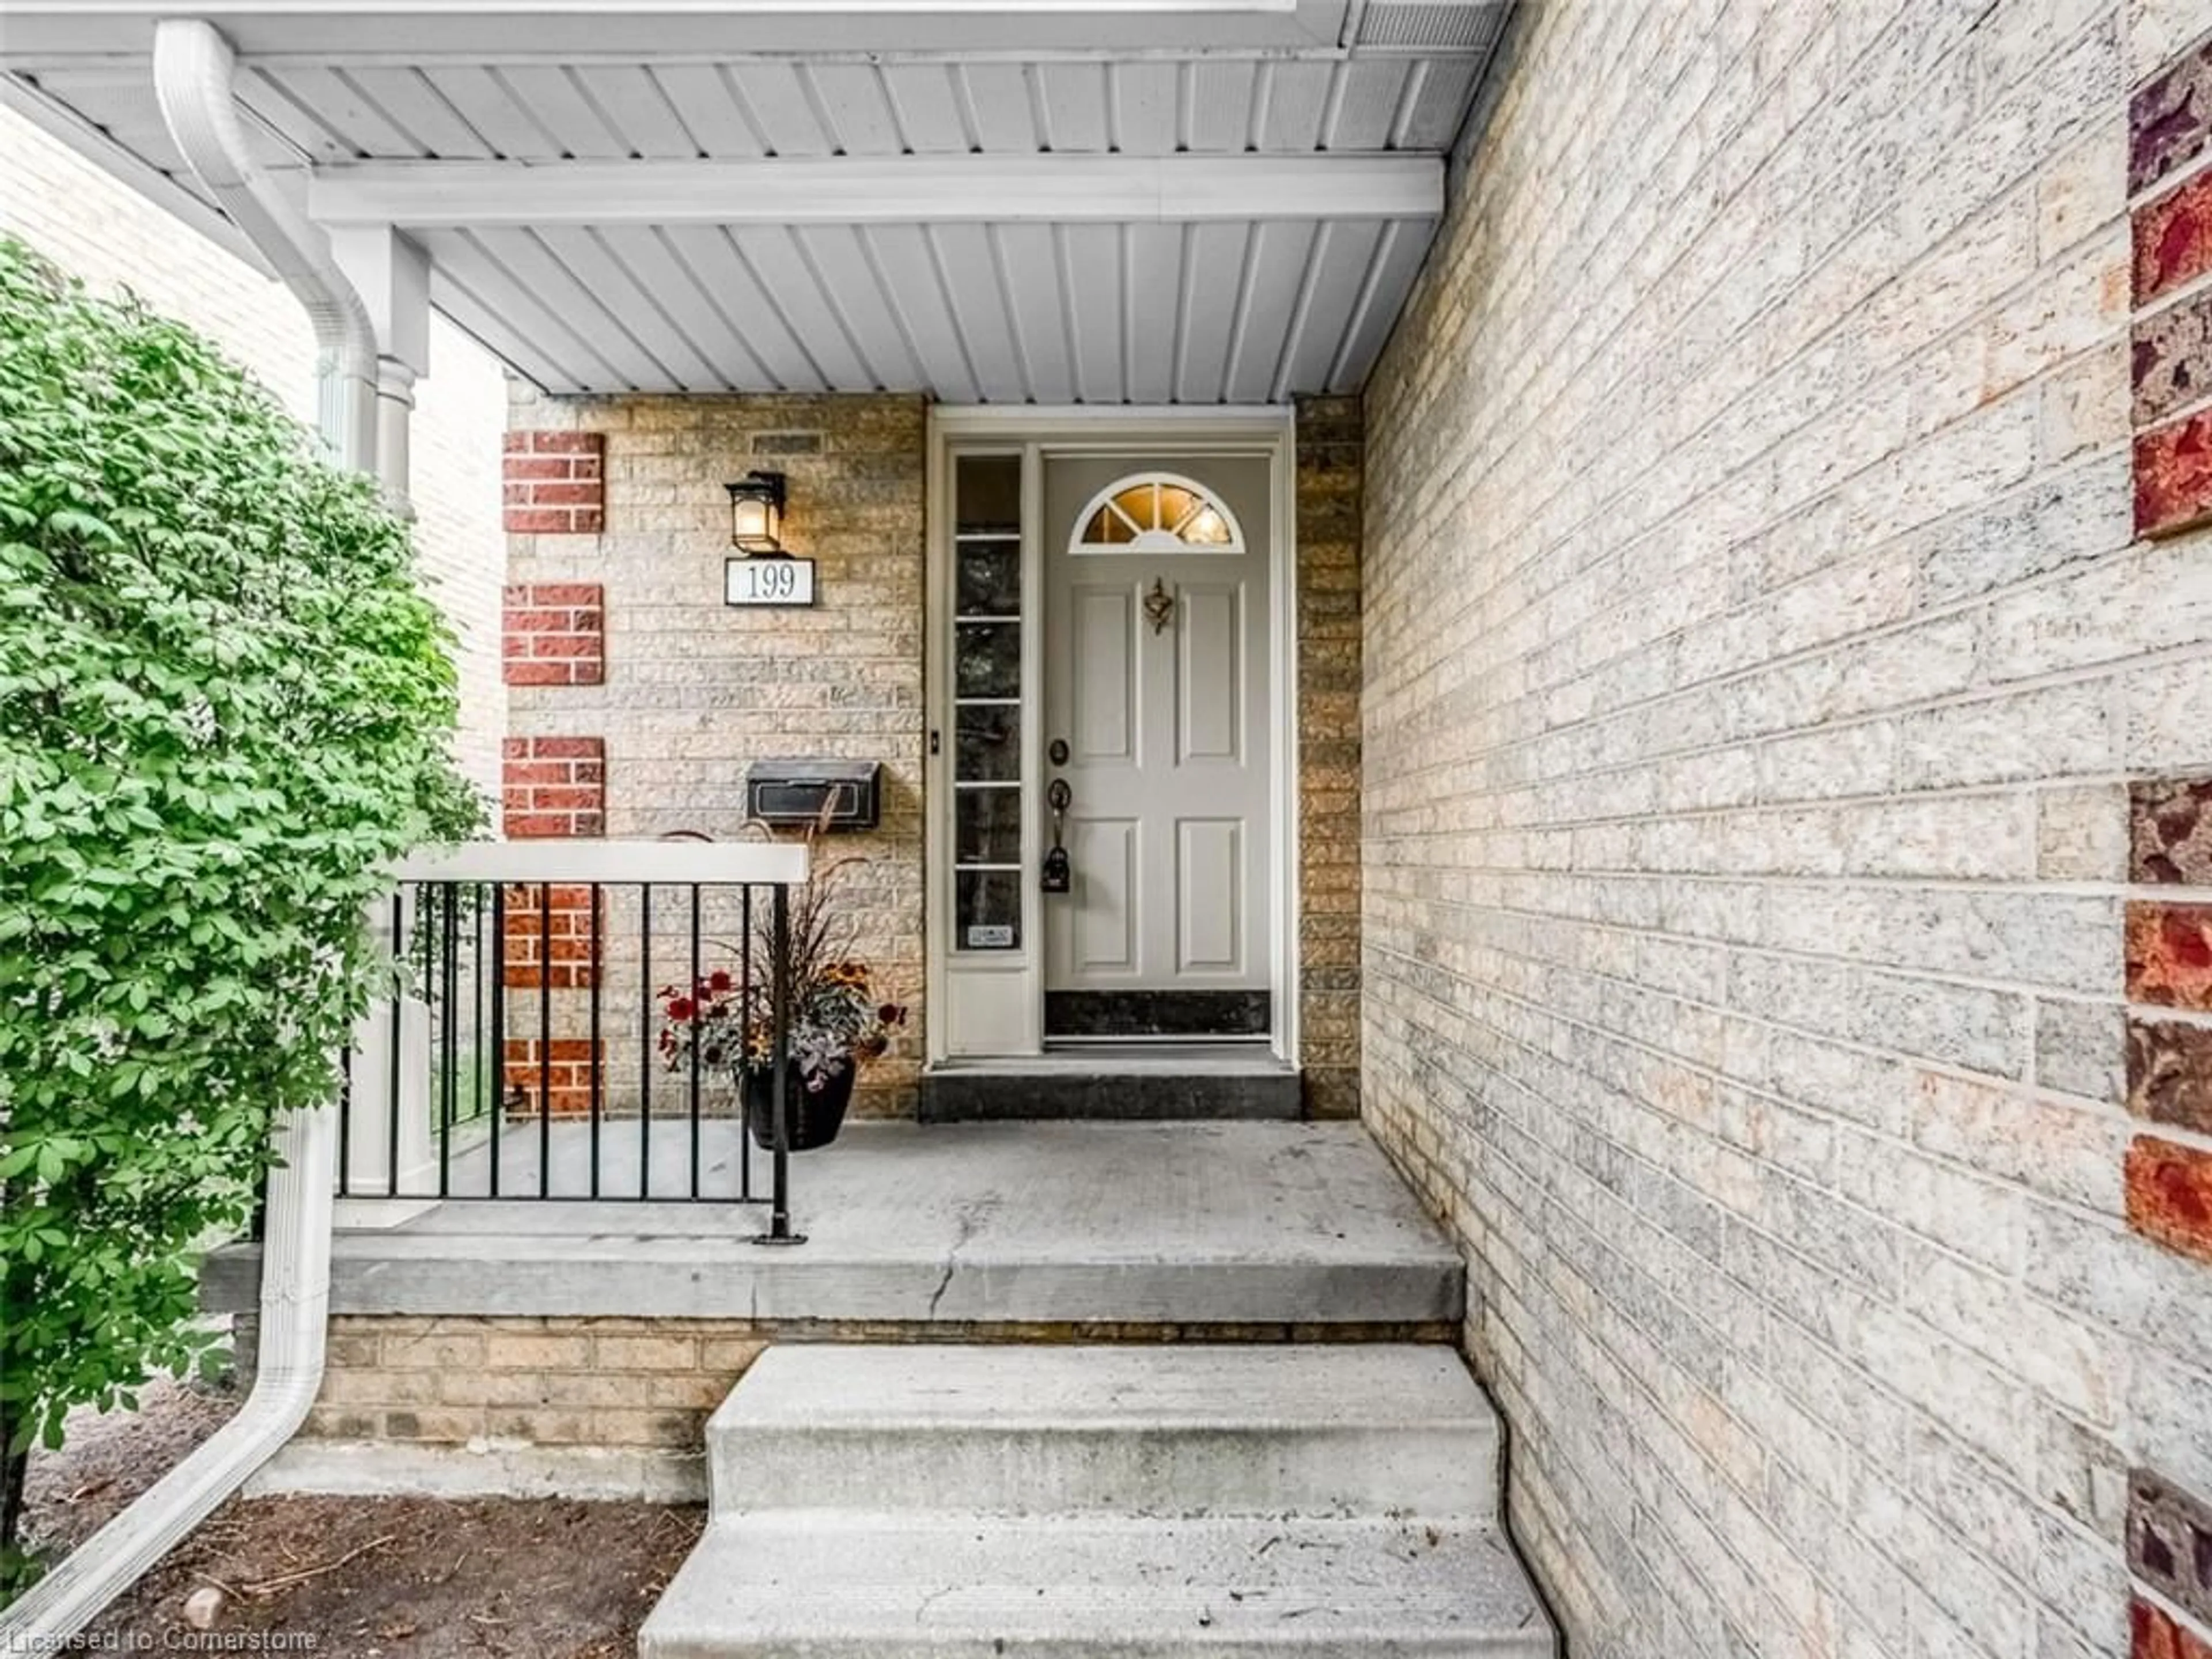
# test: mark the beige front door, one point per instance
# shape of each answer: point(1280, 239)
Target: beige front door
point(1155, 678)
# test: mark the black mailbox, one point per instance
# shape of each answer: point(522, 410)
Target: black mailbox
point(839, 794)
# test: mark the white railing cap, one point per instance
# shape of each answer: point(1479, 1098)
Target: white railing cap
point(729, 863)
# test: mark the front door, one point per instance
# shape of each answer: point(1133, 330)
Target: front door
point(1156, 719)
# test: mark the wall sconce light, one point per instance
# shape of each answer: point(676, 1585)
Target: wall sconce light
point(766, 576)
point(757, 514)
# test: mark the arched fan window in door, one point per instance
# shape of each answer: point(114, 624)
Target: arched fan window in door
point(1157, 512)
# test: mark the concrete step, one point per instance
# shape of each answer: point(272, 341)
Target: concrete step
point(1284, 1430)
point(841, 1585)
point(1148, 1083)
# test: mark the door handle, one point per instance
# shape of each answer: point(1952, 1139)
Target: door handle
point(1057, 875)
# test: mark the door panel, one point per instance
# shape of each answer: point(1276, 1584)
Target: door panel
point(1210, 670)
point(1209, 866)
point(1156, 676)
point(1102, 716)
point(1105, 852)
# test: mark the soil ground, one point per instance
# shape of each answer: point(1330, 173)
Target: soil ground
point(388, 1577)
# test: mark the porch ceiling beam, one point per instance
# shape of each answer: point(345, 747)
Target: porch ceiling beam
point(891, 189)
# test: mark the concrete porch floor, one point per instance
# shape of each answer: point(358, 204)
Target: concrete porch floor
point(1245, 1224)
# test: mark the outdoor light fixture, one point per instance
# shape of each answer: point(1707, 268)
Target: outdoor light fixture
point(766, 574)
point(756, 513)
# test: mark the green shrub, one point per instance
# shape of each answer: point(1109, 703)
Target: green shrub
point(225, 704)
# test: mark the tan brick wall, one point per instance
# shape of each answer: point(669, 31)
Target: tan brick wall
point(1756, 651)
point(638, 1382)
point(1329, 454)
point(102, 231)
point(693, 691)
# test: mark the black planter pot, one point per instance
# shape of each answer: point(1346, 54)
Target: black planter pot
point(811, 1117)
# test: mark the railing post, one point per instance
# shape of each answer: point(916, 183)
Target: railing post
point(779, 1226)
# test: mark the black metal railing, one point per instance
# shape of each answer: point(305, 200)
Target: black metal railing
point(537, 1048)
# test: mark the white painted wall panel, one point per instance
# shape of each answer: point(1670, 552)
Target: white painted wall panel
point(1212, 278)
point(620, 295)
point(928, 107)
point(905, 264)
point(637, 110)
point(485, 300)
point(780, 108)
point(1071, 103)
point(418, 107)
point(1336, 276)
point(481, 96)
point(971, 275)
point(713, 260)
point(1093, 256)
point(651, 259)
point(794, 290)
point(1029, 267)
point(1364, 99)
point(1001, 107)
point(860, 294)
point(555, 99)
point(854, 106)
point(266, 99)
point(1275, 275)
point(1219, 101)
point(1145, 106)
point(702, 98)
point(1152, 280)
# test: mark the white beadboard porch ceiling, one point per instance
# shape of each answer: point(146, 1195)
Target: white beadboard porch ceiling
point(1066, 201)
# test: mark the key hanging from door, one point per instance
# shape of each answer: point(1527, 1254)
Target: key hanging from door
point(1057, 875)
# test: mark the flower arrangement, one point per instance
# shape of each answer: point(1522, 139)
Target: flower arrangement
point(838, 1022)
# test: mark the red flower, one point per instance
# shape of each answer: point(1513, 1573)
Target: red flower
point(719, 980)
point(681, 1008)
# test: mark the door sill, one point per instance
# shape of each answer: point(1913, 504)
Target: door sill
point(1243, 1059)
point(1095, 1045)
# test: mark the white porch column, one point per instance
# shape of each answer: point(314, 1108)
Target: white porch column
point(393, 276)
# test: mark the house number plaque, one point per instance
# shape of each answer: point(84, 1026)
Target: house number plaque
point(768, 581)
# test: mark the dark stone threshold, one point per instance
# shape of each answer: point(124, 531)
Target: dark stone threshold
point(1156, 1013)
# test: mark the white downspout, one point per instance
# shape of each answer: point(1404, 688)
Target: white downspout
point(195, 74)
point(295, 1294)
point(193, 71)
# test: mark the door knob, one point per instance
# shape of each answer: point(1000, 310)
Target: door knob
point(1058, 876)
point(1058, 752)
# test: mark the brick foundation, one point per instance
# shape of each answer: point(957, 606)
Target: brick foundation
point(638, 1382)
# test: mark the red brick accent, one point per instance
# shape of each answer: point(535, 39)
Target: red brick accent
point(2173, 476)
point(555, 484)
point(2169, 1194)
point(2170, 1541)
point(2170, 119)
point(566, 1076)
point(2170, 955)
point(2169, 831)
point(570, 961)
point(555, 634)
point(2154, 1634)
point(554, 786)
point(2173, 238)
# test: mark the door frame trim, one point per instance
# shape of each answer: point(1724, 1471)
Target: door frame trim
point(1266, 430)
